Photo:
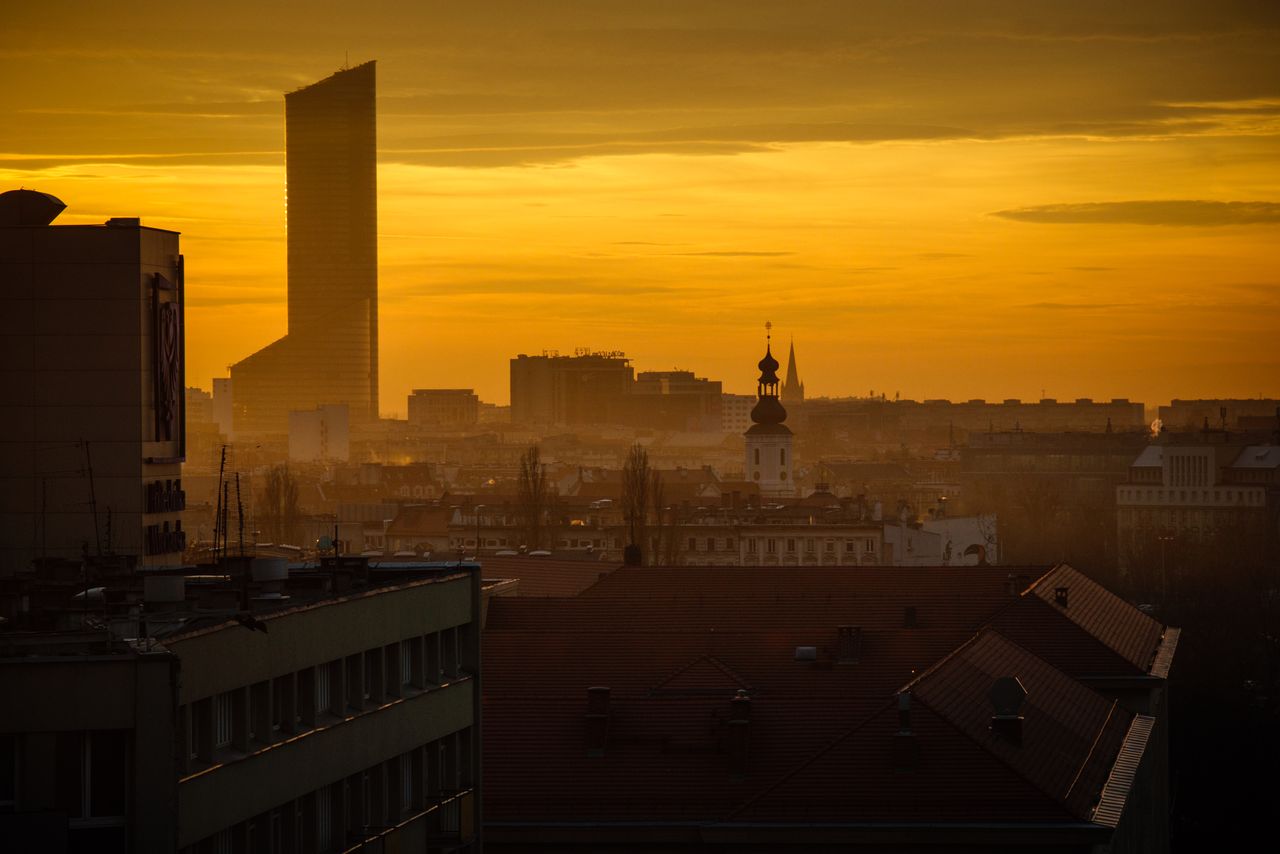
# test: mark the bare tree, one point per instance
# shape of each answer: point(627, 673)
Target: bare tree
point(280, 513)
point(533, 495)
point(636, 483)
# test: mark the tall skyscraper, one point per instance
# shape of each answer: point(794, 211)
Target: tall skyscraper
point(92, 432)
point(330, 355)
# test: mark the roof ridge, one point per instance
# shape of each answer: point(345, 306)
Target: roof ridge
point(714, 662)
point(818, 754)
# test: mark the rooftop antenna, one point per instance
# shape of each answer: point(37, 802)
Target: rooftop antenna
point(217, 513)
point(93, 497)
point(240, 511)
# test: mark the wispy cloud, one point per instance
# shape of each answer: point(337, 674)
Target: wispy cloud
point(1176, 212)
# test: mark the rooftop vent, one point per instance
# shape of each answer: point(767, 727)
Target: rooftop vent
point(597, 720)
point(1060, 596)
point(28, 207)
point(806, 653)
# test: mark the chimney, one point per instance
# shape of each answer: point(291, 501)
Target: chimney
point(848, 644)
point(906, 750)
point(909, 617)
point(1011, 584)
point(738, 734)
point(1007, 697)
point(631, 555)
point(1060, 597)
point(597, 720)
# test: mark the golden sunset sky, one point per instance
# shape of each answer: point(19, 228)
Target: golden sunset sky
point(941, 199)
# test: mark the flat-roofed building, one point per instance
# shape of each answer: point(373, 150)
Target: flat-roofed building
point(92, 407)
point(444, 407)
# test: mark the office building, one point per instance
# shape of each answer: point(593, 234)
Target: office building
point(92, 416)
point(585, 388)
point(444, 407)
point(330, 354)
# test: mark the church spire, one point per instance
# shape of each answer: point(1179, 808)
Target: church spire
point(792, 388)
point(767, 409)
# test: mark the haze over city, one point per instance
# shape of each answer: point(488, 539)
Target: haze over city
point(648, 427)
point(935, 199)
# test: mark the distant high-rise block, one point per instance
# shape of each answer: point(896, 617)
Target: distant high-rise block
point(92, 415)
point(331, 352)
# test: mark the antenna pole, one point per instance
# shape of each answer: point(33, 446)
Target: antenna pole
point(240, 510)
point(93, 498)
point(217, 513)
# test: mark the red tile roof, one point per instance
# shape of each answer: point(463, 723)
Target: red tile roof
point(674, 644)
point(544, 576)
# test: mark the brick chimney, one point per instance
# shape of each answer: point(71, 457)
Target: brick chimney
point(906, 749)
point(597, 720)
point(1007, 696)
point(738, 733)
point(848, 644)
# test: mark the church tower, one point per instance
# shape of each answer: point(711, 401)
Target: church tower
point(792, 388)
point(768, 459)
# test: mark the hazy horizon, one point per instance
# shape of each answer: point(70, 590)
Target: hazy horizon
point(939, 200)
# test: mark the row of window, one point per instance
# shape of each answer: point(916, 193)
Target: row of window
point(1229, 496)
point(355, 808)
point(256, 715)
point(770, 545)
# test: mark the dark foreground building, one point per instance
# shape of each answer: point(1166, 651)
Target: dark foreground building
point(330, 355)
point(825, 709)
point(321, 709)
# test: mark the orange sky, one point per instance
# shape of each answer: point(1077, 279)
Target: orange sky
point(940, 201)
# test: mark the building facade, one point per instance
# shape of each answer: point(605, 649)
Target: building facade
point(330, 354)
point(585, 388)
point(443, 407)
point(92, 420)
point(338, 711)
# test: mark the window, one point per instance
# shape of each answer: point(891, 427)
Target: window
point(711, 544)
point(757, 456)
point(693, 544)
point(324, 819)
point(791, 544)
point(848, 546)
point(728, 543)
point(324, 687)
point(406, 783)
point(92, 779)
point(810, 546)
point(782, 456)
point(829, 547)
point(222, 720)
point(8, 773)
point(406, 663)
point(751, 546)
point(869, 546)
point(771, 545)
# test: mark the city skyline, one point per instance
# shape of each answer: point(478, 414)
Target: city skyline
point(1075, 203)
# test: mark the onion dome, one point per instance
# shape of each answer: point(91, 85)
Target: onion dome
point(768, 367)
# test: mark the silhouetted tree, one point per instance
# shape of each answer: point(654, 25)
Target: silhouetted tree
point(279, 505)
point(533, 495)
point(636, 483)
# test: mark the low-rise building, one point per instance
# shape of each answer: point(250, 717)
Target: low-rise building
point(323, 708)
